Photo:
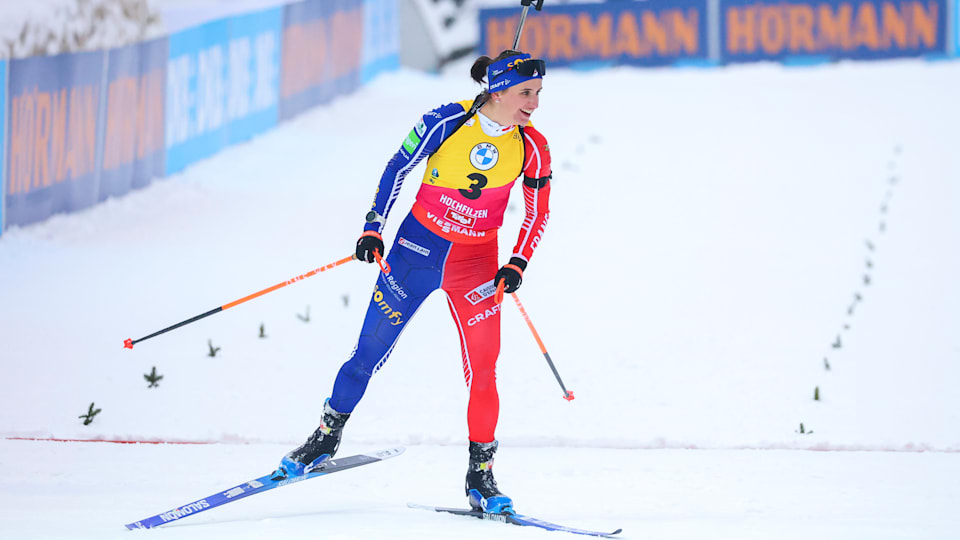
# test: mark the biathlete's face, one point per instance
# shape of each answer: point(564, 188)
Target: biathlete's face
point(519, 101)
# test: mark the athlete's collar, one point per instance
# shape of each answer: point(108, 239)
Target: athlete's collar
point(491, 127)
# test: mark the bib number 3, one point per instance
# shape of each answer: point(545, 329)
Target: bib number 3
point(478, 182)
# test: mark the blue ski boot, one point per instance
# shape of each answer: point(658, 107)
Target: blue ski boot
point(320, 446)
point(481, 488)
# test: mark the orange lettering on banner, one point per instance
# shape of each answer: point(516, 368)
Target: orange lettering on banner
point(303, 57)
point(801, 28)
point(89, 132)
point(357, 59)
point(124, 133)
point(835, 29)
point(116, 114)
point(628, 36)
point(894, 27)
point(773, 30)
point(132, 123)
point(131, 96)
point(59, 121)
point(45, 148)
point(20, 135)
point(924, 24)
point(59, 135)
point(595, 39)
point(41, 141)
point(336, 59)
point(561, 37)
point(149, 114)
point(29, 117)
point(28, 102)
point(74, 165)
point(110, 136)
point(339, 35)
point(654, 34)
point(306, 71)
point(317, 56)
point(686, 30)
point(865, 31)
point(141, 124)
point(70, 153)
point(741, 35)
point(535, 37)
point(500, 34)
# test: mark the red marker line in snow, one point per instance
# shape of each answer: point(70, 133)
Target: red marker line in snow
point(105, 441)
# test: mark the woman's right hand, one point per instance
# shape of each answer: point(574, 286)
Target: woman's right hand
point(369, 242)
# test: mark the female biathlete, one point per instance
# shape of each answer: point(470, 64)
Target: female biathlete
point(449, 241)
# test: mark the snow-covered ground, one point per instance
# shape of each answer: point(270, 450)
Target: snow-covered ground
point(717, 238)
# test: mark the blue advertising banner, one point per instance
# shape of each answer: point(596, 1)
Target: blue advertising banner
point(253, 87)
point(3, 131)
point(322, 52)
point(196, 94)
point(752, 30)
point(133, 140)
point(653, 33)
point(54, 110)
point(222, 85)
point(381, 38)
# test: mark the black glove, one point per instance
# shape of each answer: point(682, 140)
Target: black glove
point(511, 274)
point(368, 242)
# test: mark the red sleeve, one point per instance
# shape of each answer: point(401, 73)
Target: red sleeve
point(537, 204)
point(536, 192)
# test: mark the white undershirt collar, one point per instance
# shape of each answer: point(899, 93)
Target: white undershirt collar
point(492, 128)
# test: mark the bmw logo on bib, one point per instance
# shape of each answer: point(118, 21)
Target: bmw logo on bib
point(484, 156)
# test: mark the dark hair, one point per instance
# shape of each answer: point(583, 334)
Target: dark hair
point(479, 69)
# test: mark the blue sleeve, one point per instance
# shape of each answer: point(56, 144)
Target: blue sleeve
point(423, 140)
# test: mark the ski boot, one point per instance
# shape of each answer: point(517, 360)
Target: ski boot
point(320, 446)
point(481, 488)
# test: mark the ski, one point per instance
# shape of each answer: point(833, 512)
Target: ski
point(259, 485)
point(514, 519)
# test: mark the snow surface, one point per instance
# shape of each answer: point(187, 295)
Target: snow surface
point(711, 233)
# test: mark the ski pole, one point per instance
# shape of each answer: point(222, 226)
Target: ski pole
point(129, 343)
point(523, 18)
point(498, 297)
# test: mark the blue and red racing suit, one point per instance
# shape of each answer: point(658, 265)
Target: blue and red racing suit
point(449, 241)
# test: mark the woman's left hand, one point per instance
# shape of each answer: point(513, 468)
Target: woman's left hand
point(511, 274)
